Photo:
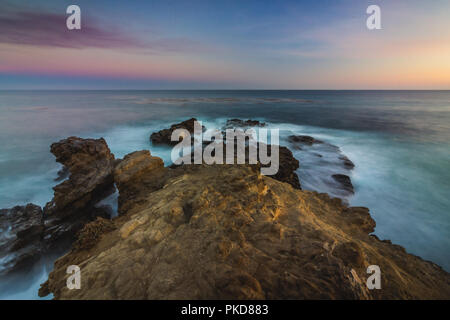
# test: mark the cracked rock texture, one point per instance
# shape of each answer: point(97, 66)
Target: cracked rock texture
point(226, 232)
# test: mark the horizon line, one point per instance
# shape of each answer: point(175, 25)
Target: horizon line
point(110, 89)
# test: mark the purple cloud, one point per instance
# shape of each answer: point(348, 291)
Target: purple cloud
point(49, 29)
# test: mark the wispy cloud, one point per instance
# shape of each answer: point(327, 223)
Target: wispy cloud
point(25, 27)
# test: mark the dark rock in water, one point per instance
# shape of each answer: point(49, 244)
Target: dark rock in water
point(232, 123)
point(287, 167)
point(318, 155)
point(347, 162)
point(21, 231)
point(164, 136)
point(344, 181)
point(304, 140)
point(90, 163)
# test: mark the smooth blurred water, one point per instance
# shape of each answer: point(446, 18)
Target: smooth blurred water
point(399, 141)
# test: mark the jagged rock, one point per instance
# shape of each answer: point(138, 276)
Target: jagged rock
point(287, 168)
point(344, 181)
point(137, 172)
point(90, 163)
point(21, 231)
point(226, 232)
point(164, 136)
point(303, 140)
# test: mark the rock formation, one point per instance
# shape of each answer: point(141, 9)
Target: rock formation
point(131, 177)
point(21, 231)
point(91, 164)
point(226, 232)
point(164, 136)
point(287, 168)
point(28, 232)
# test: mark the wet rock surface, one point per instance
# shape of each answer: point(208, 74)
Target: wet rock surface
point(324, 166)
point(21, 231)
point(287, 168)
point(344, 182)
point(347, 162)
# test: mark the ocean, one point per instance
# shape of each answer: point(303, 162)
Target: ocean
point(399, 142)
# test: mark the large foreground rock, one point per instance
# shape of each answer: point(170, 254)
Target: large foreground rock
point(226, 232)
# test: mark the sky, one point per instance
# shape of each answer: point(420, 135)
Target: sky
point(224, 44)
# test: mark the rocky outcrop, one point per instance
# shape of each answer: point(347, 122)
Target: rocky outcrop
point(137, 174)
point(90, 163)
point(21, 231)
point(226, 232)
point(164, 136)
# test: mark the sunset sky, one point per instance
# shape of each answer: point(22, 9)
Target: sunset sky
point(225, 45)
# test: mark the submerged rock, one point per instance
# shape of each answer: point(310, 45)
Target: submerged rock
point(303, 140)
point(226, 232)
point(344, 182)
point(335, 165)
point(348, 164)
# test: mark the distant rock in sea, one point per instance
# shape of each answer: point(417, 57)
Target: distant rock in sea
point(164, 136)
point(307, 140)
